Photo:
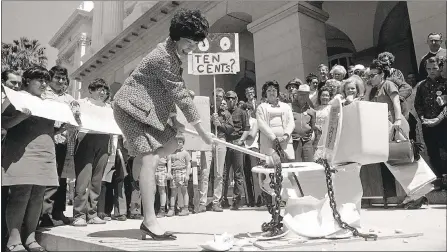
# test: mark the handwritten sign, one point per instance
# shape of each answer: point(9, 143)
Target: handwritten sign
point(195, 143)
point(39, 107)
point(217, 54)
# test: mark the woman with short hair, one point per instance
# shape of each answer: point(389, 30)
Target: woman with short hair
point(145, 107)
point(28, 164)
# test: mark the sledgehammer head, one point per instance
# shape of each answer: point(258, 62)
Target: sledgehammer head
point(273, 160)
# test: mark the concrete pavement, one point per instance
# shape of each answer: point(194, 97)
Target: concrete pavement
point(196, 229)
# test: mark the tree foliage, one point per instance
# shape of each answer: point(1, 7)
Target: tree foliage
point(22, 54)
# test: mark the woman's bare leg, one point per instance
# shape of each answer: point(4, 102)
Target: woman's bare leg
point(148, 187)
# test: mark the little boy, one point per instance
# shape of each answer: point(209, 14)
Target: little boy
point(160, 179)
point(179, 169)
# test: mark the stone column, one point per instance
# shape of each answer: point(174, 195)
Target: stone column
point(426, 17)
point(97, 27)
point(289, 42)
point(112, 19)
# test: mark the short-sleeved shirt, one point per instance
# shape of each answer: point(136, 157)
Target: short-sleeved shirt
point(179, 159)
point(383, 95)
point(162, 164)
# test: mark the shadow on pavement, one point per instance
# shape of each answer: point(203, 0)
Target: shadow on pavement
point(439, 207)
point(133, 234)
point(126, 233)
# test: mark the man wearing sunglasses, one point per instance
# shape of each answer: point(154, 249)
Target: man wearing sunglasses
point(434, 41)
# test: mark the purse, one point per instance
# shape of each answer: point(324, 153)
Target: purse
point(401, 151)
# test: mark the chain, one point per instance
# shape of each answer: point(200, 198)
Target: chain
point(274, 205)
point(328, 171)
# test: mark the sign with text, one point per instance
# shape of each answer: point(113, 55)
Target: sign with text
point(195, 143)
point(49, 109)
point(217, 54)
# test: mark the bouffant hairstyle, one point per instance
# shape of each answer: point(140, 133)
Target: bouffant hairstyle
point(339, 68)
point(97, 84)
point(272, 83)
point(190, 24)
point(33, 73)
point(323, 89)
point(59, 70)
point(380, 67)
point(357, 81)
point(386, 54)
point(310, 77)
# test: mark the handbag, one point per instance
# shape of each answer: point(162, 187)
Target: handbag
point(401, 150)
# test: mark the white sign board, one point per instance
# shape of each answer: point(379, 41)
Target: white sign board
point(49, 109)
point(99, 119)
point(195, 143)
point(217, 54)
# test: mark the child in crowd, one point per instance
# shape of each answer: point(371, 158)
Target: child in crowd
point(28, 164)
point(161, 175)
point(350, 90)
point(179, 169)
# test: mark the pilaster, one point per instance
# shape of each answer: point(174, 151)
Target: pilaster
point(289, 42)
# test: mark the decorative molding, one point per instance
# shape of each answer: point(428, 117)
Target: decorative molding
point(130, 44)
point(285, 11)
point(71, 22)
point(318, 4)
point(84, 40)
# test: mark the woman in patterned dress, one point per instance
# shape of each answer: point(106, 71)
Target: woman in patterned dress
point(144, 107)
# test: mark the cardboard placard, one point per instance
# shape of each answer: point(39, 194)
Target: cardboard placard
point(217, 54)
point(49, 109)
point(195, 143)
point(99, 119)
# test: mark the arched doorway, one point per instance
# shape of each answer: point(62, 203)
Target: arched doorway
point(396, 37)
point(340, 48)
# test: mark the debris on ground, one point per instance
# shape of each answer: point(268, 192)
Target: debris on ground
point(398, 231)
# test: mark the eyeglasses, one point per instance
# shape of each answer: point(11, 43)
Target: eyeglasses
point(231, 98)
point(60, 78)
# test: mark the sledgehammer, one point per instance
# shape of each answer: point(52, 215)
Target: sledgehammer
point(271, 161)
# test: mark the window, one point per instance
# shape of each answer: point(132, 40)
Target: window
point(344, 59)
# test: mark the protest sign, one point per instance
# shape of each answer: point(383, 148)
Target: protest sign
point(49, 109)
point(217, 54)
point(99, 119)
point(195, 143)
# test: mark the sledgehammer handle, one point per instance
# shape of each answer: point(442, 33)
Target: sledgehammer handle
point(232, 146)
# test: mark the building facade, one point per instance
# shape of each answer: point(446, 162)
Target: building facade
point(279, 40)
